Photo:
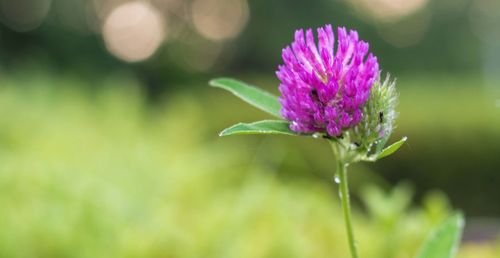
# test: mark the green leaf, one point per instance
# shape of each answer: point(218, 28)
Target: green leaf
point(260, 127)
point(392, 148)
point(443, 242)
point(381, 143)
point(250, 94)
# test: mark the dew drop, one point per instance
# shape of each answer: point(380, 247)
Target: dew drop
point(336, 179)
point(316, 135)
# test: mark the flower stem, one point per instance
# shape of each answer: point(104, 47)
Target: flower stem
point(344, 197)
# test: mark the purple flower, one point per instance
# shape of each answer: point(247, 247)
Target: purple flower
point(324, 87)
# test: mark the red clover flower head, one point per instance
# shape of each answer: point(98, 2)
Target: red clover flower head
point(325, 86)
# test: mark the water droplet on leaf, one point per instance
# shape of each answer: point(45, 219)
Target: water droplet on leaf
point(316, 135)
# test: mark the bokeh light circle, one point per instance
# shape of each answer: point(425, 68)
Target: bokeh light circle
point(388, 10)
point(133, 31)
point(24, 15)
point(219, 20)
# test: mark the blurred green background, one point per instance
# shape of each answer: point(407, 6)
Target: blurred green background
point(108, 130)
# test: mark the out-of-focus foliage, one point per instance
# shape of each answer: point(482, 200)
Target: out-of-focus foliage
point(444, 240)
point(102, 174)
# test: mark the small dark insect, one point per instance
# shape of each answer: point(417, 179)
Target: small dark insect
point(381, 117)
point(357, 144)
point(314, 94)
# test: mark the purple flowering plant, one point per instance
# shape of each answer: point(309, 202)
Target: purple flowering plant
point(333, 90)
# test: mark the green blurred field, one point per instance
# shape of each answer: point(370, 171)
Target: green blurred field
point(105, 173)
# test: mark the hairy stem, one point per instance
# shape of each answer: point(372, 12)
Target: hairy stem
point(346, 208)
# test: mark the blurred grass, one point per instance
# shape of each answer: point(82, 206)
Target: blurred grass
point(105, 174)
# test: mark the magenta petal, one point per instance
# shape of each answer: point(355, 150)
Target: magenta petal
point(323, 89)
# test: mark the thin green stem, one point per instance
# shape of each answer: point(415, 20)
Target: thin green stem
point(346, 208)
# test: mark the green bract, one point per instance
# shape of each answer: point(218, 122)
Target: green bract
point(378, 116)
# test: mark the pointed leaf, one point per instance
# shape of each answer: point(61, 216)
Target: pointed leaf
point(260, 127)
point(252, 95)
point(443, 242)
point(381, 143)
point(392, 148)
